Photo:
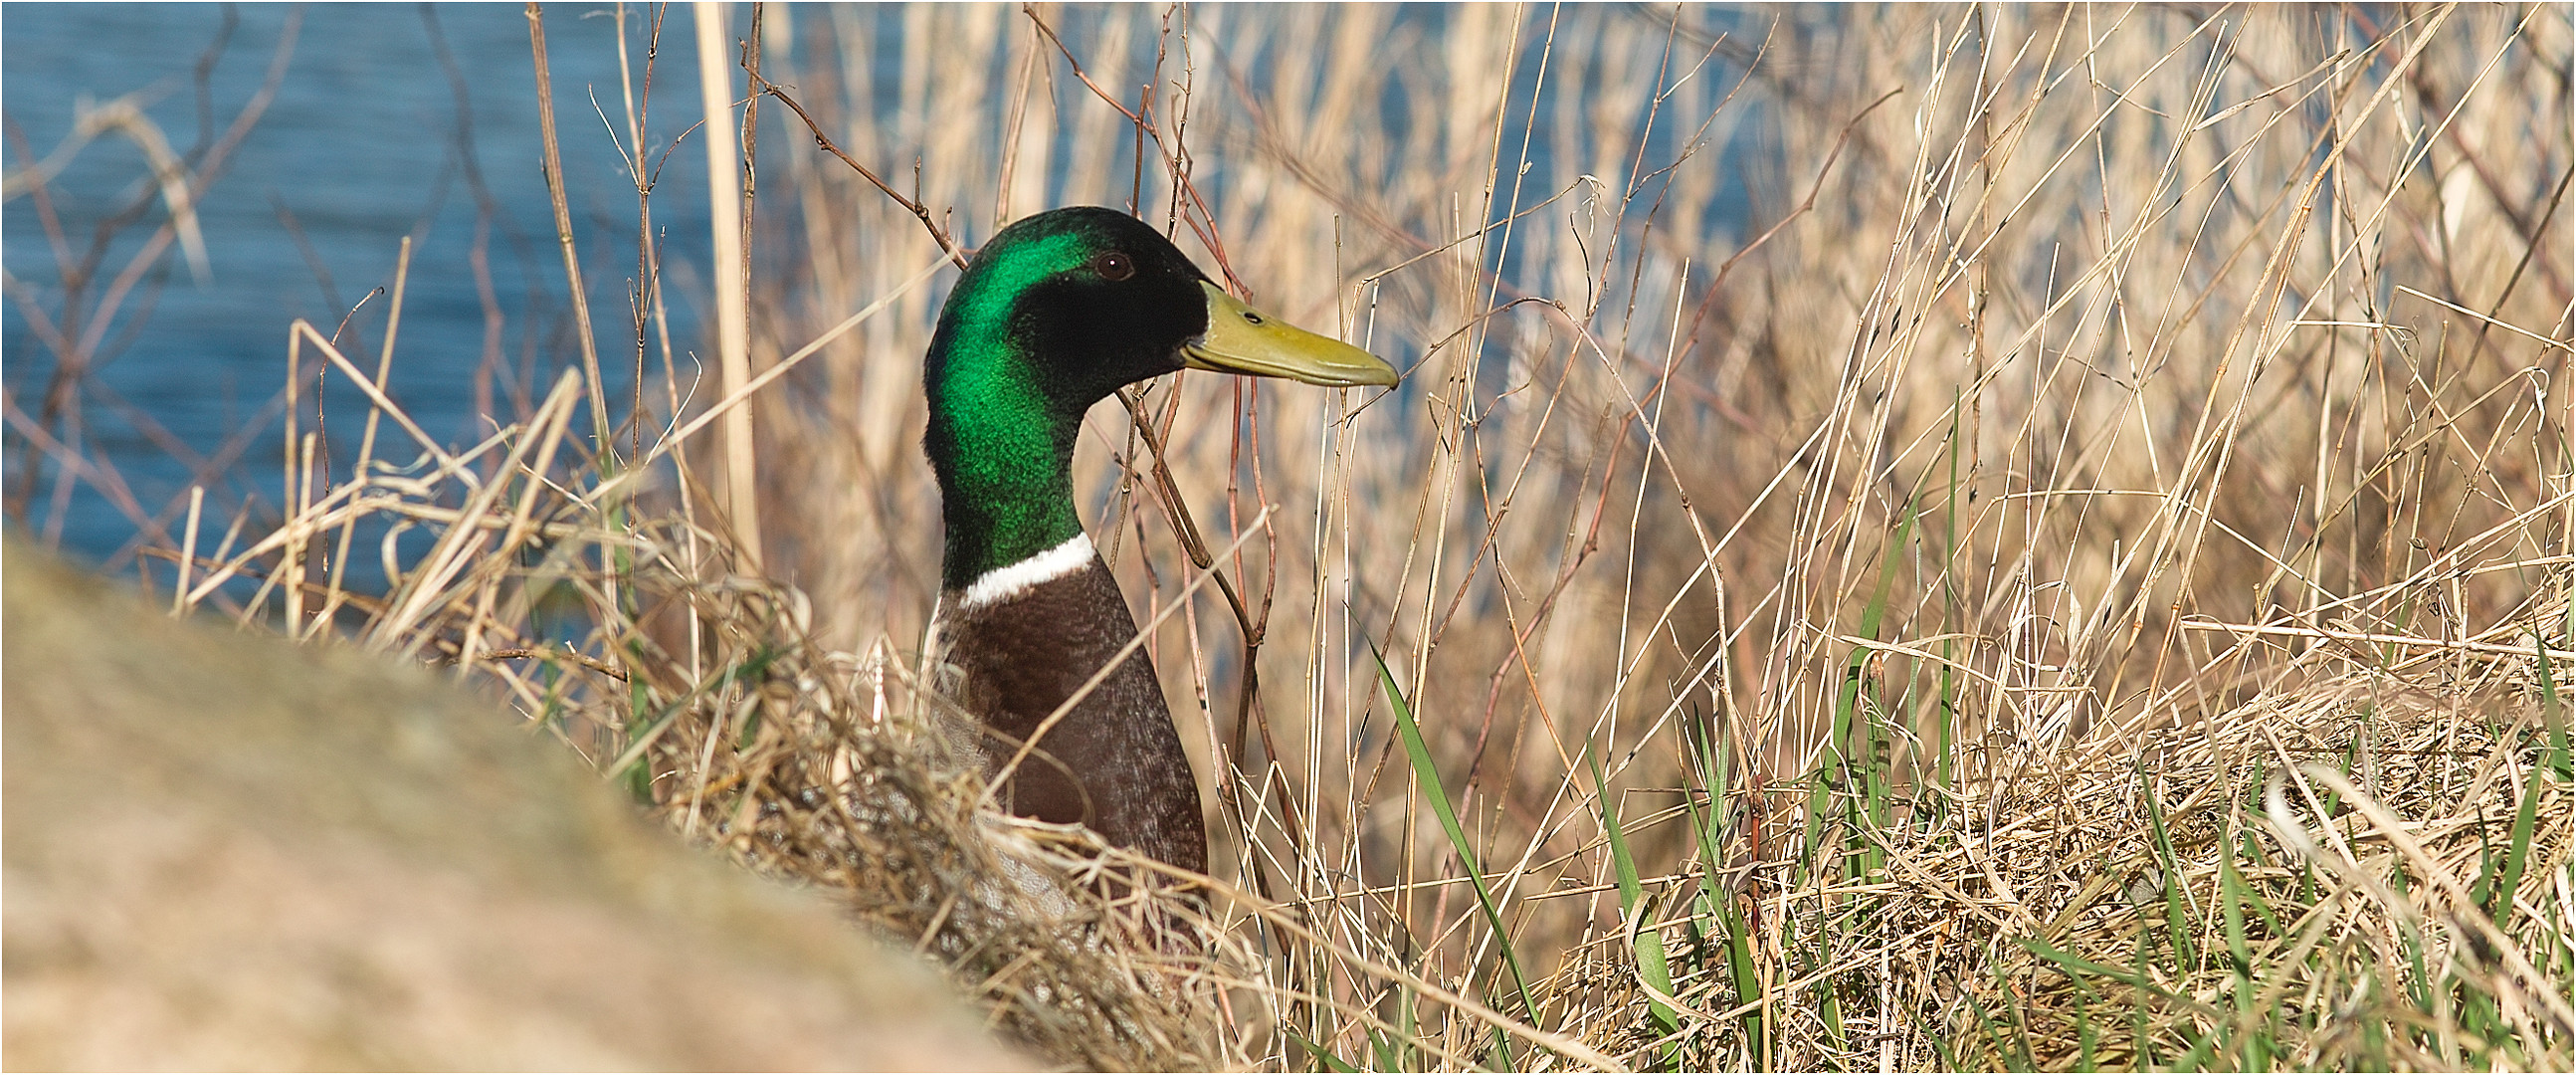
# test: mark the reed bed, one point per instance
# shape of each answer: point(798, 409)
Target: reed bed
point(1918, 537)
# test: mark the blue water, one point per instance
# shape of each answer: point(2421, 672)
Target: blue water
point(389, 121)
point(367, 141)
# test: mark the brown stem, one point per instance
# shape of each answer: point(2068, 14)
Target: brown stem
point(600, 444)
point(1202, 222)
point(956, 253)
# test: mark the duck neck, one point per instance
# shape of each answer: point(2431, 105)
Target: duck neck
point(1003, 450)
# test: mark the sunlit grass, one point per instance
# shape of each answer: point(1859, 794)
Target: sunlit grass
point(1917, 537)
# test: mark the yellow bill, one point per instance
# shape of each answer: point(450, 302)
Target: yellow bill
point(1241, 339)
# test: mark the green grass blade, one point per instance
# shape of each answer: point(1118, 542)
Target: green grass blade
point(2134, 979)
point(1649, 945)
point(1321, 1055)
point(2526, 816)
point(1428, 776)
point(1947, 706)
point(2517, 853)
point(2087, 1039)
point(1721, 906)
point(1864, 768)
point(2553, 710)
point(2251, 851)
point(2177, 915)
point(1385, 1047)
point(2234, 897)
point(2022, 1058)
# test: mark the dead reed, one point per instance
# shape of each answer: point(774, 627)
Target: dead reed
point(1919, 537)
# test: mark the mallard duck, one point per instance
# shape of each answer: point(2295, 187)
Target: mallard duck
point(1054, 314)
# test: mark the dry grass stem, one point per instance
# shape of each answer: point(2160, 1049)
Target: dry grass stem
point(2083, 582)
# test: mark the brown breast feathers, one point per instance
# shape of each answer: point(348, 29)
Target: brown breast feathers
point(1114, 762)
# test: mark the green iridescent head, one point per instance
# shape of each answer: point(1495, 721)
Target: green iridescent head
point(1054, 314)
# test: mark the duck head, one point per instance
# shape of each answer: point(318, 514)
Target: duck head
point(1056, 312)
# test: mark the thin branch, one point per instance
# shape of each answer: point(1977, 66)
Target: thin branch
point(956, 254)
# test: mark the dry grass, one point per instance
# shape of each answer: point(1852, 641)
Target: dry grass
point(2078, 578)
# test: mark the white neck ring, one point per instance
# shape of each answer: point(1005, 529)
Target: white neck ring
point(1011, 580)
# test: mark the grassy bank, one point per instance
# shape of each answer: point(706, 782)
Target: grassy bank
point(1916, 537)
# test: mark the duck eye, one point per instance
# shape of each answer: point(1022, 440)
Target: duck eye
point(1113, 266)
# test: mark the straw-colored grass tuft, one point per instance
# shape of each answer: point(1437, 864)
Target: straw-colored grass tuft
point(829, 769)
point(2307, 882)
point(1917, 537)
point(719, 713)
